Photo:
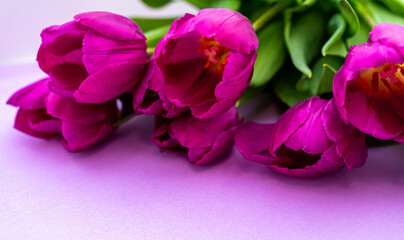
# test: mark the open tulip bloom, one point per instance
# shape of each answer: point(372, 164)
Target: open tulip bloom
point(369, 88)
point(308, 140)
point(206, 61)
point(94, 58)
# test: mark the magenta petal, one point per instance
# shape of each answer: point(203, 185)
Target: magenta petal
point(252, 141)
point(32, 96)
point(99, 51)
point(388, 34)
point(77, 137)
point(111, 25)
point(47, 60)
point(37, 123)
point(351, 144)
point(371, 55)
point(378, 119)
point(147, 101)
point(109, 82)
point(329, 162)
point(310, 136)
point(66, 78)
point(221, 23)
point(400, 138)
point(162, 137)
point(288, 123)
point(196, 133)
point(69, 110)
point(62, 39)
point(222, 144)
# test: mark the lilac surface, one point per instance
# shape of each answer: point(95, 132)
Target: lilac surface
point(126, 189)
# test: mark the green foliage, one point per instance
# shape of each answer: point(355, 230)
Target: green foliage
point(303, 37)
point(271, 53)
point(335, 45)
point(156, 3)
point(229, 4)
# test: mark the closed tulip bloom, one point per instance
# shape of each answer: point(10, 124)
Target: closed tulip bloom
point(369, 88)
point(94, 58)
point(202, 140)
point(206, 61)
point(47, 115)
point(308, 140)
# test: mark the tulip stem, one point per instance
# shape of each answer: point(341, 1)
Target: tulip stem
point(150, 50)
point(269, 14)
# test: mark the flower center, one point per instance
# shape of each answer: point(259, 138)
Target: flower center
point(216, 54)
point(381, 81)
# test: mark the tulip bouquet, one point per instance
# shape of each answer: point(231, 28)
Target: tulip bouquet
point(338, 65)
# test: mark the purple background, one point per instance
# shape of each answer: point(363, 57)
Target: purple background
point(125, 188)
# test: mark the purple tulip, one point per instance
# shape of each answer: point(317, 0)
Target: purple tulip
point(369, 88)
point(94, 58)
point(308, 140)
point(206, 61)
point(203, 140)
point(46, 115)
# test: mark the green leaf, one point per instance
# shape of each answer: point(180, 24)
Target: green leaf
point(303, 38)
point(360, 37)
point(334, 45)
point(201, 3)
point(396, 6)
point(306, 3)
point(381, 14)
point(249, 94)
point(154, 36)
point(147, 24)
point(350, 16)
point(326, 79)
point(285, 88)
point(156, 3)
point(229, 4)
point(322, 77)
point(270, 53)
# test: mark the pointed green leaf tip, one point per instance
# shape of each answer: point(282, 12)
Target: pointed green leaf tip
point(335, 45)
point(303, 36)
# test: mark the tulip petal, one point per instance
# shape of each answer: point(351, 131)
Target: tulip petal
point(310, 136)
point(111, 25)
point(77, 137)
point(351, 144)
point(68, 109)
point(109, 82)
point(191, 132)
point(376, 118)
point(252, 141)
point(62, 39)
point(99, 51)
point(288, 123)
point(222, 144)
point(388, 34)
point(221, 24)
point(47, 60)
point(66, 78)
point(32, 96)
point(37, 123)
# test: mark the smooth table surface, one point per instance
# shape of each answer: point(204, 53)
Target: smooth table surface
point(125, 188)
